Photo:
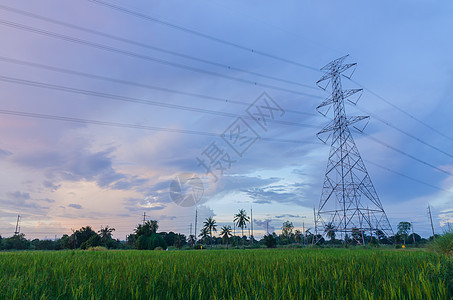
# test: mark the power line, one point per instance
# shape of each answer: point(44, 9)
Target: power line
point(221, 65)
point(258, 52)
point(200, 34)
point(147, 46)
point(406, 176)
point(134, 126)
point(407, 154)
point(131, 83)
point(147, 58)
point(136, 100)
point(403, 111)
point(404, 132)
point(168, 24)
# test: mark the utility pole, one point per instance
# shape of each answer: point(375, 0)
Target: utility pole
point(196, 216)
point(250, 237)
point(267, 226)
point(234, 229)
point(190, 234)
point(413, 235)
point(449, 229)
point(17, 231)
point(316, 229)
point(431, 219)
point(303, 230)
point(251, 224)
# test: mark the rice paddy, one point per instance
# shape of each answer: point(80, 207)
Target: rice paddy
point(226, 274)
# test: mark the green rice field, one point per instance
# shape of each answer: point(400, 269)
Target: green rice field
point(226, 274)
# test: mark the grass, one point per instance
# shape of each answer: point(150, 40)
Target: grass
point(222, 274)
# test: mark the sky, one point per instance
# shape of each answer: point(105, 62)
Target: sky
point(104, 104)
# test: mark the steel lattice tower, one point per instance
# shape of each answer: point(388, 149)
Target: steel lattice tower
point(349, 203)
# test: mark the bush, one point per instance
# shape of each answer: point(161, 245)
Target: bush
point(16, 242)
point(93, 241)
point(443, 244)
point(270, 241)
point(145, 242)
point(97, 248)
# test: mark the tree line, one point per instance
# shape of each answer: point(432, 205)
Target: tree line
point(146, 237)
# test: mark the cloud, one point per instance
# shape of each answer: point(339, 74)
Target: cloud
point(50, 185)
point(165, 217)
point(300, 172)
point(24, 202)
point(204, 212)
point(79, 164)
point(4, 153)
point(127, 160)
point(40, 159)
point(265, 224)
point(289, 216)
point(277, 194)
point(47, 200)
point(97, 166)
point(19, 196)
point(234, 183)
point(76, 206)
point(130, 183)
point(446, 217)
point(146, 203)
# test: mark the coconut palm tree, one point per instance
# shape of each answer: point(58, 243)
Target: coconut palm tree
point(226, 233)
point(204, 233)
point(210, 226)
point(330, 231)
point(148, 228)
point(191, 240)
point(241, 220)
point(106, 233)
point(298, 235)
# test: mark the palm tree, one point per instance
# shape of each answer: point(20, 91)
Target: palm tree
point(210, 226)
point(148, 228)
point(307, 233)
point(330, 231)
point(191, 240)
point(204, 233)
point(298, 235)
point(106, 233)
point(226, 233)
point(241, 220)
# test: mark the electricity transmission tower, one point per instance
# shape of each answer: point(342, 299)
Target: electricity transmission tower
point(17, 231)
point(349, 204)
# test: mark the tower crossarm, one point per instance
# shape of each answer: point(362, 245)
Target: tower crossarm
point(334, 125)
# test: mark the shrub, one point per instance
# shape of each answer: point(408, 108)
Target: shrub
point(97, 248)
point(270, 241)
point(145, 242)
point(93, 241)
point(443, 244)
